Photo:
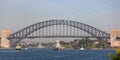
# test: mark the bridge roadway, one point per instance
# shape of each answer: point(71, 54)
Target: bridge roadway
point(32, 37)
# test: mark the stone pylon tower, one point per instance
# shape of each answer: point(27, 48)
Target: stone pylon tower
point(113, 40)
point(5, 43)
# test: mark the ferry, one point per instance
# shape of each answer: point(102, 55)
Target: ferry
point(57, 47)
point(18, 48)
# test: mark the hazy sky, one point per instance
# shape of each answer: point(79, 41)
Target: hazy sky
point(17, 14)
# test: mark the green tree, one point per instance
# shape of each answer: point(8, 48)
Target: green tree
point(85, 42)
point(117, 56)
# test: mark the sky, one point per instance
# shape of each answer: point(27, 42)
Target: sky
point(17, 14)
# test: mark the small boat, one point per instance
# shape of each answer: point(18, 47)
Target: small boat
point(26, 48)
point(82, 49)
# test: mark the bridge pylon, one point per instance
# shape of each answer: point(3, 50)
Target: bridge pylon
point(5, 43)
point(113, 38)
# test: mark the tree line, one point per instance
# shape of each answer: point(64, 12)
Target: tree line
point(86, 43)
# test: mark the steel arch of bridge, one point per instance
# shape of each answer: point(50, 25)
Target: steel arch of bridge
point(23, 33)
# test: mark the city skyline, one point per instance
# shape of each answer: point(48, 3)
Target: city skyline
point(17, 14)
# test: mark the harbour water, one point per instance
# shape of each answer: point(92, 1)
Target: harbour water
point(49, 54)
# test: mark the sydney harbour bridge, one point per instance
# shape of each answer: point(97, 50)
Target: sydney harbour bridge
point(59, 28)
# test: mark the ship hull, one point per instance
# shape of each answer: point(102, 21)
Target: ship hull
point(57, 49)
